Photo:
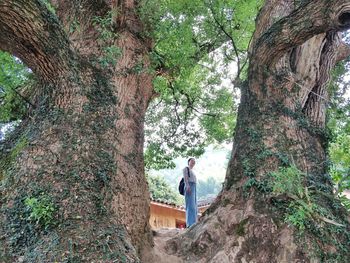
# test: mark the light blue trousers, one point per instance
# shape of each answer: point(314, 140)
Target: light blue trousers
point(191, 205)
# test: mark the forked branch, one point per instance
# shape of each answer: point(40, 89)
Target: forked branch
point(313, 18)
point(31, 32)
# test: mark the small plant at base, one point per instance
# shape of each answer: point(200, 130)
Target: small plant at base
point(41, 210)
point(303, 208)
point(289, 181)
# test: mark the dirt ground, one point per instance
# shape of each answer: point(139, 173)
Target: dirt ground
point(158, 253)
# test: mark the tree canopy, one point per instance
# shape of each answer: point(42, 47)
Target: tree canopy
point(161, 190)
point(198, 45)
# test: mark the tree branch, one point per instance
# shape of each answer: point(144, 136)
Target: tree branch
point(204, 48)
point(313, 18)
point(222, 28)
point(31, 32)
point(22, 97)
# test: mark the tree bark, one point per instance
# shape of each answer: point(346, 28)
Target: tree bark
point(82, 148)
point(281, 123)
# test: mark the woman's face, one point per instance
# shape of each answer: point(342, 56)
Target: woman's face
point(192, 162)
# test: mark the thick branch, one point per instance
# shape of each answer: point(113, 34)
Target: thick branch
point(82, 27)
point(23, 97)
point(313, 18)
point(315, 106)
point(31, 32)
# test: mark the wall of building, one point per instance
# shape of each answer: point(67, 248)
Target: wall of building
point(169, 216)
point(165, 216)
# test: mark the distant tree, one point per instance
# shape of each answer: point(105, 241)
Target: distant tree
point(14, 80)
point(160, 189)
point(339, 126)
point(340, 168)
point(209, 187)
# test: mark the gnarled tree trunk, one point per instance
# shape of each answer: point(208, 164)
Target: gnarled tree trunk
point(280, 128)
point(80, 156)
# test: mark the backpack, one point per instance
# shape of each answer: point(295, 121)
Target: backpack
point(182, 183)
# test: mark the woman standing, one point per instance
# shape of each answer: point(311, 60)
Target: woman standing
point(190, 193)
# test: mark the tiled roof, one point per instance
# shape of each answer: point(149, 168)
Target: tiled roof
point(165, 202)
point(206, 201)
point(201, 202)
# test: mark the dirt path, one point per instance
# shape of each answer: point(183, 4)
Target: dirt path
point(158, 253)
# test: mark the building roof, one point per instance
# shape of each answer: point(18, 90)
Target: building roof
point(206, 201)
point(202, 202)
point(168, 204)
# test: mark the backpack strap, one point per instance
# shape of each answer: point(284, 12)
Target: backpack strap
point(188, 170)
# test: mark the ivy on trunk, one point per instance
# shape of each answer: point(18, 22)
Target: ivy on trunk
point(75, 189)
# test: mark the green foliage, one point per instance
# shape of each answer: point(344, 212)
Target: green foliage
point(110, 56)
point(248, 167)
point(262, 186)
point(298, 216)
point(339, 125)
point(339, 110)
point(49, 6)
point(156, 158)
point(304, 208)
point(208, 188)
point(8, 158)
point(188, 29)
point(160, 190)
point(13, 78)
point(340, 150)
point(104, 26)
point(74, 26)
point(20, 145)
point(240, 230)
point(340, 168)
point(107, 35)
point(183, 124)
point(288, 180)
point(195, 107)
point(219, 128)
point(42, 210)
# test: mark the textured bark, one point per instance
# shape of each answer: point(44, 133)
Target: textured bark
point(84, 141)
point(281, 122)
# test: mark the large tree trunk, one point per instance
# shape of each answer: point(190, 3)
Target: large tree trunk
point(81, 152)
point(281, 123)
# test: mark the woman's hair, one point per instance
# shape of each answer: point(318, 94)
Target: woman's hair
point(188, 161)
